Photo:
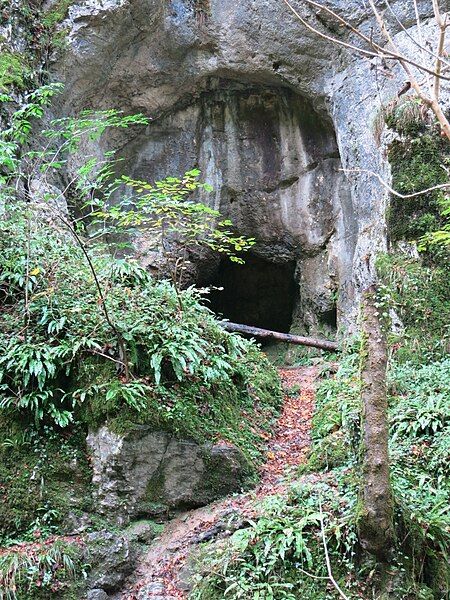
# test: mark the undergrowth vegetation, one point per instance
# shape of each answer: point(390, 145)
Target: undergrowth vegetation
point(420, 295)
point(280, 555)
point(419, 414)
point(87, 338)
point(420, 158)
point(59, 358)
point(59, 365)
point(40, 569)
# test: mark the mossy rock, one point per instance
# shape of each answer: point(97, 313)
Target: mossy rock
point(143, 531)
point(146, 473)
point(111, 557)
point(235, 410)
point(44, 478)
point(328, 453)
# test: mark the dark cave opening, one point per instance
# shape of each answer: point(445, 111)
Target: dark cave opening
point(328, 318)
point(258, 293)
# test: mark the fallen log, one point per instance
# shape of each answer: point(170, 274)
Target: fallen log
point(281, 337)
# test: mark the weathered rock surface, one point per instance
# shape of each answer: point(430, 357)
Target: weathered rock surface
point(154, 591)
point(97, 595)
point(112, 559)
point(142, 532)
point(146, 471)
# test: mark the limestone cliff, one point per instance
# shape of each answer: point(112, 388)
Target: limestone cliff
point(267, 110)
point(271, 114)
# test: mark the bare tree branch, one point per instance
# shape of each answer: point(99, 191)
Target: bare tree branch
point(442, 24)
point(423, 48)
point(419, 27)
point(391, 52)
point(377, 52)
point(327, 556)
point(442, 186)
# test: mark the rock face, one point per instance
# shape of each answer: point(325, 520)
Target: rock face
point(267, 110)
point(139, 474)
point(111, 558)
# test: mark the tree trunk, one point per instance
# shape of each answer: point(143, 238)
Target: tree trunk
point(376, 509)
point(281, 337)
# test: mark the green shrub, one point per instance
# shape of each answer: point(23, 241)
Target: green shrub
point(420, 295)
point(280, 554)
point(90, 337)
point(63, 363)
point(60, 369)
point(420, 454)
point(39, 570)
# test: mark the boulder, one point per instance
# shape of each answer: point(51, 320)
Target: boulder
point(111, 558)
point(144, 472)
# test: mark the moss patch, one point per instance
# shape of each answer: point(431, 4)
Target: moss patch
point(328, 453)
point(418, 159)
point(336, 421)
point(417, 164)
point(57, 13)
point(43, 477)
point(14, 71)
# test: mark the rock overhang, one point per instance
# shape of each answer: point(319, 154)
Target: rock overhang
point(157, 57)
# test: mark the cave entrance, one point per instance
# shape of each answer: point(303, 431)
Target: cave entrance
point(259, 293)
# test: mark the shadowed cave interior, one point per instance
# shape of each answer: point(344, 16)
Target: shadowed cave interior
point(258, 293)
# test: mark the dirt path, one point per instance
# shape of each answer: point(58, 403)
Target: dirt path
point(160, 575)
